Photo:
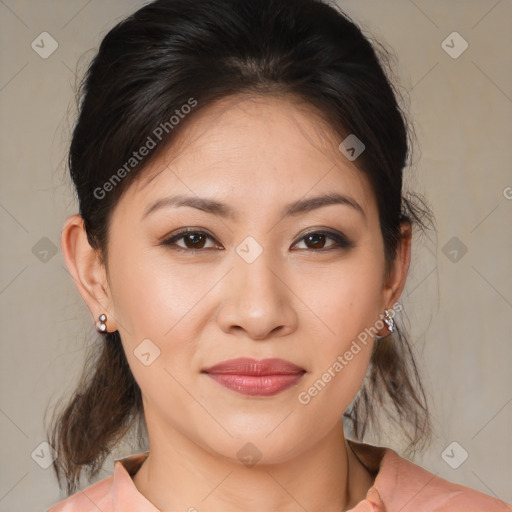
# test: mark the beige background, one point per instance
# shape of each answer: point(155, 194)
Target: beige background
point(459, 311)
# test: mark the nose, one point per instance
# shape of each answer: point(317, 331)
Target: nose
point(257, 301)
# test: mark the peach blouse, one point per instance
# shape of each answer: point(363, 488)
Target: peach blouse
point(399, 486)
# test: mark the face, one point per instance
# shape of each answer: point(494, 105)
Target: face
point(254, 277)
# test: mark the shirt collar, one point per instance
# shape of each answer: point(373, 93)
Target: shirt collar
point(125, 496)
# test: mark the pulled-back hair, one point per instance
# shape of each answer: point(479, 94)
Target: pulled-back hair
point(173, 53)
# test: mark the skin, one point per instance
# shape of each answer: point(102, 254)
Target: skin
point(299, 300)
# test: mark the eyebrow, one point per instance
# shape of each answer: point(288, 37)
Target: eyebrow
point(217, 208)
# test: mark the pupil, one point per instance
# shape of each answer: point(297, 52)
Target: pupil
point(316, 236)
point(195, 239)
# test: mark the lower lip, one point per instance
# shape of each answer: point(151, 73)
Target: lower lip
point(256, 385)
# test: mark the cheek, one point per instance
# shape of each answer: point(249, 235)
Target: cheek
point(153, 297)
point(345, 303)
point(339, 369)
point(344, 297)
point(160, 310)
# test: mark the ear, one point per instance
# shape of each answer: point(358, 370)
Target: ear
point(87, 271)
point(397, 277)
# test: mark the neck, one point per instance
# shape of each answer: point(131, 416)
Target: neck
point(180, 475)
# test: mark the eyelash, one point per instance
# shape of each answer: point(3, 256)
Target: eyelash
point(341, 241)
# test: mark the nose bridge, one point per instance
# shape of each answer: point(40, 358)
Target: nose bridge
point(255, 271)
point(256, 298)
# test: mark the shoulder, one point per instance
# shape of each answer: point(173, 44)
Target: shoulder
point(96, 497)
point(408, 487)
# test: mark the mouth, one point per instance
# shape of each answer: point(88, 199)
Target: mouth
point(253, 377)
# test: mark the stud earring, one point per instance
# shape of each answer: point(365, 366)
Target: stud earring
point(101, 325)
point(389, 321)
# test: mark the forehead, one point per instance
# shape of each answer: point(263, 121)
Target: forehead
point(247, 147)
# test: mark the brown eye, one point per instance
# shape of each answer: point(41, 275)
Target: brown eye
point(317, 241)
point(196, 240)
point(192, 240)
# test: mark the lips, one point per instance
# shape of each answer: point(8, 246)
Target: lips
point(247, 366)
point(257, 378)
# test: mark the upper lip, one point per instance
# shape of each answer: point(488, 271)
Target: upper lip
point(248, 366)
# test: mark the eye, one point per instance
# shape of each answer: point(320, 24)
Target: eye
point(317, 240)
point(193, 240)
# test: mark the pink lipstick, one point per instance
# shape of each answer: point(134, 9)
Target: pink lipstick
point(247, 376)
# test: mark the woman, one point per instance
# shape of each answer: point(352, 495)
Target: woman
point(243, 241)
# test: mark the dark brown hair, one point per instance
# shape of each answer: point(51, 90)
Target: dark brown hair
point(147, 68)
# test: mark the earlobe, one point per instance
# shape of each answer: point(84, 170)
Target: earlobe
point(86, 269)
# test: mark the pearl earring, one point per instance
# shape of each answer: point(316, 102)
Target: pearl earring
point(101, 325)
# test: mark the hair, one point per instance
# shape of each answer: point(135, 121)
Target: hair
point(172, 53)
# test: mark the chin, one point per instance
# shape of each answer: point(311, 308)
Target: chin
point(255, 446)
